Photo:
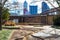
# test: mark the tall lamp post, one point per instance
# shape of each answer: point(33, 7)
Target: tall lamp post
point(2, 2)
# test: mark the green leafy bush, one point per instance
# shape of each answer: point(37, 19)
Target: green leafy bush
point(56, 21)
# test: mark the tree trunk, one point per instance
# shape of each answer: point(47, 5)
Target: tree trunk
point(0, 17)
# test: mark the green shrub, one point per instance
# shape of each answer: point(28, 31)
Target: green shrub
point(56, 21)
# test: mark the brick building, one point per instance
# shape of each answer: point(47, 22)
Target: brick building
point(35, 19)
point(43, 18)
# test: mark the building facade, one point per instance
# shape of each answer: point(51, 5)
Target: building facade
point(25, 4)
point(34, 19)
point(33, 9)
point(45, 7)
point(25, 8)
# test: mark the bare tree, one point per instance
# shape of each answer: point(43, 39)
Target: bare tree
point(2, 3)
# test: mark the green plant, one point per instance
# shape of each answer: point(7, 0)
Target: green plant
point(56, 23)
point(5, 14)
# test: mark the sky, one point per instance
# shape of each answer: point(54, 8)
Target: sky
point(36, 3)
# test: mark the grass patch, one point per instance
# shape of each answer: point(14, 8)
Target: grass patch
point(4, 34)
point(9, 27)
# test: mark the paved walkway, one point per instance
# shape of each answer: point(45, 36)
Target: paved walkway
point(25, 34)
point(20, 34)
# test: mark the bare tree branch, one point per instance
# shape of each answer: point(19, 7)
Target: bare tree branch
point(58, 1)
point(4, 2)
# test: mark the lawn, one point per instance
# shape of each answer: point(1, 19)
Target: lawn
point(10, 27)
point(4, 34)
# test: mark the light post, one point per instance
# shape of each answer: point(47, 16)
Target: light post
point(2, 2)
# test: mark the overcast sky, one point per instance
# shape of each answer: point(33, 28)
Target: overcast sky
point(37, 3)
